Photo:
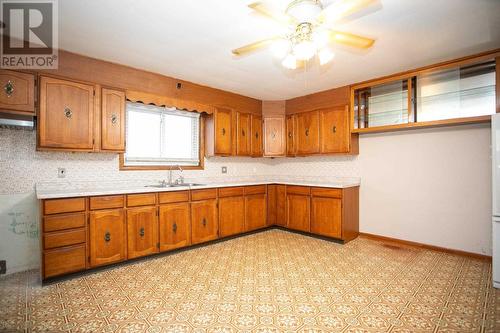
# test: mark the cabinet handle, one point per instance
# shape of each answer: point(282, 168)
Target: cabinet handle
point(243, 132)
point(107, 236)
point(334, 129)
point(223, 131)
point(174, 227)
point(68, 113)
point(9, 88)
point(256, 135)
point(114, 118)
point(290, 135)
point(307, 132)
point(204, 222)
point(273, 135)
point(141, 232)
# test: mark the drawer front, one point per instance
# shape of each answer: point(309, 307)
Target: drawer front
point(302, 190)
point(326, 192)
point(230, 192)
point(64, 260)
point(209, 193)
point(257, 189)
point(62, 222)
point(175, 196)
point(105, 202)
point(145, 199)
point(57, 206)
point(64, 238)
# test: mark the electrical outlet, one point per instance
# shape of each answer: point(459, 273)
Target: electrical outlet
point(3, 267)
point(61, 172)
point(224, 169)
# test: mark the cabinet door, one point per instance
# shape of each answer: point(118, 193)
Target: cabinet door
point(256, 140)
point(326, 216)
point(281, 205)
point(113, 120)
point(271, 204)
point(243, 135)
point(231, 216)
point(298, 212)
point(307, 133)
point(66, 114)
point(255, 211)
point(142, 231)
point(175, 226)
point(291, 131)
point(223, 131)
point(204, 226)
point(107, 237)
point(274, 136)
point(334, 131)
point(17, 91)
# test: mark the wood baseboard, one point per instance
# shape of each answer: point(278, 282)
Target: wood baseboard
point(390, 240)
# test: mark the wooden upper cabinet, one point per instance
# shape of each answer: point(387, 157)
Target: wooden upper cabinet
point(257, 137)
point(66, 116)
point(274, 136)
point(291, 134)
point(175, 226)
point(142, 231)
point(108, 237)
point(113, 120)
point(18, 92)
point(334, 130)
point(243, 134)
point(219, 133)
point(307, 134)
point(255, 211)
point(204, 221)
point(231, 215)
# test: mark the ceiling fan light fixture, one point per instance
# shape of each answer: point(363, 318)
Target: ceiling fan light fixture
point(304, 10)
point(325, 56)
point(304, 50)
point(290, 62)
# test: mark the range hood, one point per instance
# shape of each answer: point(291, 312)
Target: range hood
point(15, 121)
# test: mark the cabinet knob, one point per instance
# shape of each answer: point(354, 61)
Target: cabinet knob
point(141, 232)
point(307, 132)
point(334, 129)
point(256, 135)
point(204, 222)
point(114, 118)
point(9, 88)
point(174, 227)
point(273, 135)
point(223, 131)
point(243, 132)
point(68, 113)
point(290, 135)
point(107, 236)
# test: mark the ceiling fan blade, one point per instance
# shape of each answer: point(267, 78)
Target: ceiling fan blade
point(262, 9)
point(343, 8)
point(254, 46)
point(350, 39)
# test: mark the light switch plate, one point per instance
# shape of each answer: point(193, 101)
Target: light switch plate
point(224, 169)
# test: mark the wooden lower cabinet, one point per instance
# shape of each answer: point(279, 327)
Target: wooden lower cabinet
point(175, 226)
point(298, 212)
point(281, 205)
point(231, 216)
point(271, 204)
point(204, 221)
point(255, 211)
point(142, 231)
point(64, 260)
point(108, 240)
point(326, 216)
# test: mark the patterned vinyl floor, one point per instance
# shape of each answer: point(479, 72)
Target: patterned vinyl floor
point(274, 281)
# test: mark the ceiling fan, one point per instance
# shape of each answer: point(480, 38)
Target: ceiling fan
point(309, 31)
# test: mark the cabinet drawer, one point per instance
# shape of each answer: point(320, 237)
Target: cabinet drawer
point(326, 192)
point(257, 189)
point(230, 192)
point(175, 196)
point(64, 260)
point(56, 206)
point(209, 193)
point(64, 238)
point(104, 202)
point(144, 199)
point(62, 222)
point(293, 189)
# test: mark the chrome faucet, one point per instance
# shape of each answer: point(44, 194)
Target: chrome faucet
point(179, 180)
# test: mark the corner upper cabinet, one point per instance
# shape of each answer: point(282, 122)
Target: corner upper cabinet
point(219, 133)
point(66, 115)
point(274, 136)
point(257, 137)
point(18, 92)
point(307, 134)
point(112, 120)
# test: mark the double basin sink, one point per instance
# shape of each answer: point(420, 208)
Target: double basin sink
point(175, 185)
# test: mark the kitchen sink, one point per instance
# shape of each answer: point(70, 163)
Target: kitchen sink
point(175, 185)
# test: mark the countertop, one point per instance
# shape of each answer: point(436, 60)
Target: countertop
point(52, 190)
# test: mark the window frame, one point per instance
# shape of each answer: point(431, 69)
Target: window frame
point(201, 153)
point(408, 75)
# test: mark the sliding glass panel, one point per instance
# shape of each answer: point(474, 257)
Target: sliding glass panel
point(459, 92)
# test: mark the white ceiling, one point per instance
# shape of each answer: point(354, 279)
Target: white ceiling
point(192, 40)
